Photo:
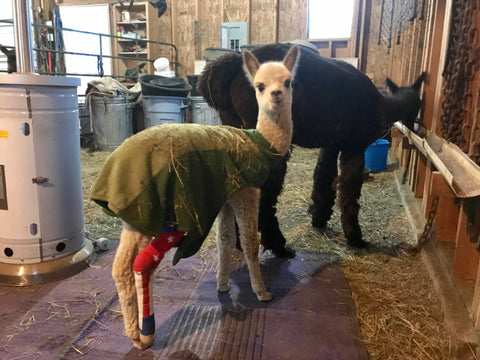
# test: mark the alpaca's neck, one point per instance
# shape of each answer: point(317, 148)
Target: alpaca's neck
point(277, 129)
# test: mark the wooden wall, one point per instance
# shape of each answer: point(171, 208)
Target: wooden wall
point(402, 62)
point(194, 25)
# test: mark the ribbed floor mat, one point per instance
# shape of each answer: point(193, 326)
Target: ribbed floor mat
point(310, 317)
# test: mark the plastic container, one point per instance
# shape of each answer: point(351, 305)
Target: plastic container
point(376, 155)
point(202, 113)
point(163, 109)
point(161, 64)
point(112, 120)
point(157, 85)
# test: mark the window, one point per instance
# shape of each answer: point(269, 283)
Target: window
point(330, 19)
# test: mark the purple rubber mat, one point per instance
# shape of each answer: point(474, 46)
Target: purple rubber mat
point(310, 317)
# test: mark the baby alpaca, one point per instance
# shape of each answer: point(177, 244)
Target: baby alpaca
point(169, 182)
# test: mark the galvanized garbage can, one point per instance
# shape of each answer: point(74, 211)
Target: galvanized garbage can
point(202, 113)
point(112, 120)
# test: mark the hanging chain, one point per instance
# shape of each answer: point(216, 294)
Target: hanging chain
point(427, 230)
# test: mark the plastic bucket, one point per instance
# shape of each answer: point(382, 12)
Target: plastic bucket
point(202, 113)
point(112, 120)
point(163, 109)
point(376, 155)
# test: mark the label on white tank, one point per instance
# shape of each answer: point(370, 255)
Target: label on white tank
point(3, 134)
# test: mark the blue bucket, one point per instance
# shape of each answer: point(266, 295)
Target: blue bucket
point(376, 155)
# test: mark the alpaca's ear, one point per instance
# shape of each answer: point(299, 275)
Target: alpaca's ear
point(4, 50)
point(251, 64)
point(290, 59)
point(418, 83)
point(391, 85)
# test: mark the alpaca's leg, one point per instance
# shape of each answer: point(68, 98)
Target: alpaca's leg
point(349, 187)
point(272, 237)
point(131, 242)
point(323, 194)
point(226, 236)
point(245, 205)
point(144, 266)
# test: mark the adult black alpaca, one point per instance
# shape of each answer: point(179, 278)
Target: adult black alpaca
point(335, 108)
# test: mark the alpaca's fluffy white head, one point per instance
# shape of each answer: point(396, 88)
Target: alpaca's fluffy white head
point(272, 81)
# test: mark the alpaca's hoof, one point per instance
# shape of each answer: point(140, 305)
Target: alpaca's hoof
point(144, 342)
point(358, 243)
point(265, 296)
point(223, 288)
point(284, 252)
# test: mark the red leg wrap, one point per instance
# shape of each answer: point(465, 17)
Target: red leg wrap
point(144, 265)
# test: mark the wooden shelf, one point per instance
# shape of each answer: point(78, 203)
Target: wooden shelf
point(146, 29)
point(131, 23)
point(132, 53)
point(131, 40)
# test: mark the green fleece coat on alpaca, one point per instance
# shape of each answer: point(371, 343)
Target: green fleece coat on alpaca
point(181, 174)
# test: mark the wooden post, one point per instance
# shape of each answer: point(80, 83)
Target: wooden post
point(465, 262)
point(421, 171)
point(447, 211)
point(427, 198)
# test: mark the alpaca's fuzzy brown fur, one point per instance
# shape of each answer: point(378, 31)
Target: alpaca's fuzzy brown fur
point(274, 94)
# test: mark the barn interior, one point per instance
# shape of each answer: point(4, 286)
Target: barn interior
point(77, 78)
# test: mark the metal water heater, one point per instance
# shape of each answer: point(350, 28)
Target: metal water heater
point(42, 233)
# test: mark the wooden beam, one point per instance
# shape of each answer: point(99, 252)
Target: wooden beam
point(458, 170)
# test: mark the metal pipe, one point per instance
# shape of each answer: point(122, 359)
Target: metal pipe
point(23, 35)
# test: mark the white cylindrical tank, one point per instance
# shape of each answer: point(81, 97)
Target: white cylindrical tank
point(41, 202)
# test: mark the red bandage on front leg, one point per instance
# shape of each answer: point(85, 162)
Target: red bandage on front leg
point(144, 265)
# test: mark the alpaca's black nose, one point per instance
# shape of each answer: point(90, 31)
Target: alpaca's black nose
point(277, 93)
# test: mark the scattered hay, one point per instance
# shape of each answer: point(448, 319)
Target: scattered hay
point(400, 315)
point(398, 309)
point(97, 223)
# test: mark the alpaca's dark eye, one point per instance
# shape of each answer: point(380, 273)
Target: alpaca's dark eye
point(288, 83)
point(261, 87)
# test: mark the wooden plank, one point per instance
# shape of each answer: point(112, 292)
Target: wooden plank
point(421, 171)
point(445, 38)
point(427, 198)
point(465, 263)
point(293, 20)
point(439, 187)
point(183, 17)
point(431, 62)
point(210, 17)
point(354, 32)
point(413, 171)
point(237, 10)
point(446, 220)
point(264, 19)
point(476, 301)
